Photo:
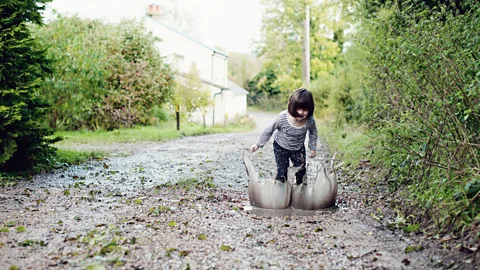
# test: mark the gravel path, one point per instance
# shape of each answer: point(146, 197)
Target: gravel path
point(153, 206)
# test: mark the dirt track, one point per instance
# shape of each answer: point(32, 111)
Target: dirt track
point(123, 213)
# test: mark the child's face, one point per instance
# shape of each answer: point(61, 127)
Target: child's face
point(302, 114)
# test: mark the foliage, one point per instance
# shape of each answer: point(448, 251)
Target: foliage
point(67, 157)
point(281, 45)
point(262, 86)
point(420, 95)
point(106, 75)
point(282, 40)
point(271, 104)
point(23, 143)
point(408, 72)
point(161, 132)
point(348, 140)
point(190, 93)
point(243, 67)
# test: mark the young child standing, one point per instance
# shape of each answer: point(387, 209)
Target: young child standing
point(291, 128)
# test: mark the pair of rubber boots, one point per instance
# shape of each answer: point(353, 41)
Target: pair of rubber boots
point(272, 194)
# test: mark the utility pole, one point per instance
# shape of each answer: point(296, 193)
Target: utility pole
point(306, 48)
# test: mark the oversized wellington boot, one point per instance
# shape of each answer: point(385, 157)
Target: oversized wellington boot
point(269, 193)
point(319, 195)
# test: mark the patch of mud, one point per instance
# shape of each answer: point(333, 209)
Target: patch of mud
point(127, 213)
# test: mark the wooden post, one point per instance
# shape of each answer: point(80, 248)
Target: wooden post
point(177, 112)
point(306, 49)
point(203, 115)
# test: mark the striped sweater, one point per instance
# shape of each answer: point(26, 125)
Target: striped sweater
point(288, 136)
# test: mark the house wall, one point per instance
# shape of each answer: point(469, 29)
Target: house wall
point(240, 102)
point(223, 104)
point(181, 52)
point(217, 108)
point(229, 106)
point(226, 108)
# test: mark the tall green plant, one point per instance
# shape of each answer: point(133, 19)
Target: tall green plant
point(190, 93)
point(423, 95)
point(107, 75)
point(282, 39)
point(262, 86)
point(243, 67)
point(23, 142)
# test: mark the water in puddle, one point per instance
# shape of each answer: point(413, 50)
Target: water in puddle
point(286, 212)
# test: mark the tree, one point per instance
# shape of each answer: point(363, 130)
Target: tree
point(261, 86)
point(419, 91)
point(190, 93)
point(243, 67)
point(23, 142)
point(106, 76)
point(282, 35)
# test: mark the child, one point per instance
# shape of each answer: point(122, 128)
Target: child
point(289, 140)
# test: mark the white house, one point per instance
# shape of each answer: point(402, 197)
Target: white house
point(239, 99)
point(182, 51)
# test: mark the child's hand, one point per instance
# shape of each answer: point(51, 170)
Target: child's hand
point(313, 153)
point(254, 148)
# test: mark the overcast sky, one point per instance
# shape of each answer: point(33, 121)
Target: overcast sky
point(230, 24)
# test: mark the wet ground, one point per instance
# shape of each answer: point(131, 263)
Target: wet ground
point(183, 204)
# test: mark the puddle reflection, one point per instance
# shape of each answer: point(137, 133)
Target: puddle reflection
point(286, 212)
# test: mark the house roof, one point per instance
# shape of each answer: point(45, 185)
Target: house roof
point(194, 40)
point(236, 89)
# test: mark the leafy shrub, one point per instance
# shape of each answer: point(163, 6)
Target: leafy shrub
point(106, 75)
point(420, 93)
point(262, 87)
point(190, 93)
point(161, 114)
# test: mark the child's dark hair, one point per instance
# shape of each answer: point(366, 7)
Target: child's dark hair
point(300, 99)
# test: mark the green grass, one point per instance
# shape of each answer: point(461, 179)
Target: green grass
point(163, 132)
point(446, 199)
point(63, 158)
point(258, 109)
point(268, 107)
point(349, 141)
point(71, 157)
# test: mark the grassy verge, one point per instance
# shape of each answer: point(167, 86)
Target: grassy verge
point(261, 109)
point(449, 205)
point(64, 158)
point(255, 109)
point(68, 157)
point(163, 132)
point(349, 141)
point(73, 157)
point(268, 105)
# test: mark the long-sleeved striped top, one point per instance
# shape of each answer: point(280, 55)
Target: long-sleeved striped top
point(288, 136)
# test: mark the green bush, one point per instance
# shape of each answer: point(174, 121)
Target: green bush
point(191, 94)
point(262, 87)
point(23, 141)
point(420, 95)
point(161, 114)
point(106, 76)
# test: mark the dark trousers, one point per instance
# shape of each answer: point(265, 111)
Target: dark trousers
point(282, 157)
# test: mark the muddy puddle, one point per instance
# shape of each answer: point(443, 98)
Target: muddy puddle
point(288, 212)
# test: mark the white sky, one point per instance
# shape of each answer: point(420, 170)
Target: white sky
point(230, 24)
